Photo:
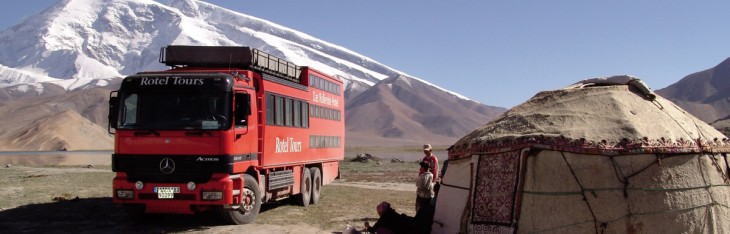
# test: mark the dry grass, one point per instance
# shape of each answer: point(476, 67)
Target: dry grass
point(33, 185)
point(340, 206)
point(42, 193)
point(383, 172)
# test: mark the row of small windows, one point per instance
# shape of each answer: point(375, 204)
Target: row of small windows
point(324, 85)
point(324, 142)
point(324, 113)
point(285, 111)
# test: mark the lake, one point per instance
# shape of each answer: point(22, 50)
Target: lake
point(103, 157)
point(56, 158)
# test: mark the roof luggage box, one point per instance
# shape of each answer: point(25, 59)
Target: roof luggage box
point(229, 57)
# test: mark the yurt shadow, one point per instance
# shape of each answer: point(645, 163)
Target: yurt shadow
point(601, 156)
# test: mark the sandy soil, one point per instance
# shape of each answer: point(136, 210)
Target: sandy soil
point(375, 185)
point(100, 215)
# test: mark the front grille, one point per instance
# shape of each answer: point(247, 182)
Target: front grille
point(187, 168)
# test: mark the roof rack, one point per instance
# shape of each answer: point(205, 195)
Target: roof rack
point(230, 57)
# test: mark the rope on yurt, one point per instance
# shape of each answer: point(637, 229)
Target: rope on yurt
point(699, 141)
point(700, 136)
point(595, 220)
point(625, 179)
point(709, 214)
point(677, 122)
point(602, 226)
point(719, 168)
point(620, 176)
point(593, 190)
point(727, 166)
point(563, 226)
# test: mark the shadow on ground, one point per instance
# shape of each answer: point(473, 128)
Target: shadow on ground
point(97, 215)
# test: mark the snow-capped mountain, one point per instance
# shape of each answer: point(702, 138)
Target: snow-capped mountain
point(77, 41)
point(82, 44)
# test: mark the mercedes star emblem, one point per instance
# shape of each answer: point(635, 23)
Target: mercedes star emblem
point(167, 166)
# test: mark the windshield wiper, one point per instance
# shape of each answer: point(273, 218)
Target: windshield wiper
point(145, 132)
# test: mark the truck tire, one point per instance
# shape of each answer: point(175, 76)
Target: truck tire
point(306, 187)
point(316, 184)
point(250, 203)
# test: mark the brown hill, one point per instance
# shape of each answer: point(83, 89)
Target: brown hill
point(406, 111)
point(72, 121)
point(722, 125)
point(30, 91)
point(705, 94)
point(62, 131)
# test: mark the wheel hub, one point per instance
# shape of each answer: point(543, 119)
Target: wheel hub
point(248, 200)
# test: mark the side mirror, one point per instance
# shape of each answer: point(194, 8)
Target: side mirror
point(113, 111)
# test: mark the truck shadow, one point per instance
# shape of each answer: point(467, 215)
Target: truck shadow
point(97, 215)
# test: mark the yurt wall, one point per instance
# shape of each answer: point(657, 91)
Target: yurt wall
point(564, 192)
point(455, 188)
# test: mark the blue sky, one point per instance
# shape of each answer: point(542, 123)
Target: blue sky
point(501, 53)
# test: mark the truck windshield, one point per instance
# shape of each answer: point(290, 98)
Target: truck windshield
point(175, 111)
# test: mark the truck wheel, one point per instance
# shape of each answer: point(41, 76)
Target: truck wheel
point(250, 203)
point(306, 191)
point(316, 185)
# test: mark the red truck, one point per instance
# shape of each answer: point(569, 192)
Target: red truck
point(224, 129)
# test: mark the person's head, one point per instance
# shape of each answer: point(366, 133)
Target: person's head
point(425, 165)
point(427, 149)
point(382, 208)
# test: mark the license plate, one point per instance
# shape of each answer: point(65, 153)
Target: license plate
point(166, 192)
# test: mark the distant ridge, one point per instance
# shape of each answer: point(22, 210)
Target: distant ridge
point(401, 110)
point(706, 94)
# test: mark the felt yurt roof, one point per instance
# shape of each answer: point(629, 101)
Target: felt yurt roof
point(613, 115)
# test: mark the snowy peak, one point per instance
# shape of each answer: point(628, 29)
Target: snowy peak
point(409, 81)
point(76, 42)
point(85, 39)
point(91, 39)
point(188, 7)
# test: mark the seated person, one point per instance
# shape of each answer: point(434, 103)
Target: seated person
point(390, 221)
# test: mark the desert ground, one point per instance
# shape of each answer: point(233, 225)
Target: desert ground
point(74, 196)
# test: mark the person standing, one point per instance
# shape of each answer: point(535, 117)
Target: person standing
point(424, 186)
point(432, 160)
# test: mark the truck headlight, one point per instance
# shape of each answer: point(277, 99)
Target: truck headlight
point(213, 195)
point(139, 185)
point(191, 186)
point(125, 194)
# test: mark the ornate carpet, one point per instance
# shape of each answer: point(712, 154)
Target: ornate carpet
point(495, 194)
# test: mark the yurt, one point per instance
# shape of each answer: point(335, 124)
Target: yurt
point(604, 155)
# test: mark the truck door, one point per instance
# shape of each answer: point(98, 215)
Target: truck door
point(245, 124)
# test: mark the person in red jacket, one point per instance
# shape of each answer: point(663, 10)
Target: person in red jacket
point(432, 160)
